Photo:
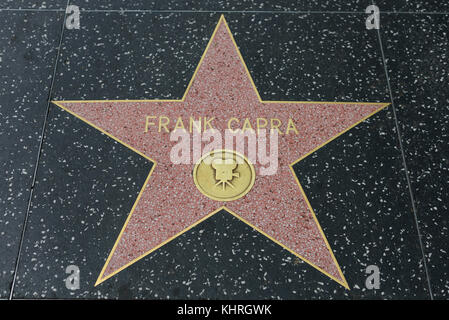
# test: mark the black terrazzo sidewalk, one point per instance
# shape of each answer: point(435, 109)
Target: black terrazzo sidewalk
point(379, 191)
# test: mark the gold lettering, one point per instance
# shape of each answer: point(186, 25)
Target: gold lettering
point(163, 124)
point(208, 123)
point(247, 126)
point(148, 123)
point(291, 126)
point(259, 125)
point(179, 124)
point(277, 125)
point(195, 123)
point(229, 124)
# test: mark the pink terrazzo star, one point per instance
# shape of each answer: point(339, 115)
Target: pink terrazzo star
point(169, 203)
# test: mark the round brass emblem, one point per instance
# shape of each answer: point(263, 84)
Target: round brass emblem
point(224, 175)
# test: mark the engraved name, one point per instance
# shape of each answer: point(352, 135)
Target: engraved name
point(164, 124)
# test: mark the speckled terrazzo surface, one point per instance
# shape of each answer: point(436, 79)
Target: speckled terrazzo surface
point(27, 57)
point(86, 183)
point(245, 5)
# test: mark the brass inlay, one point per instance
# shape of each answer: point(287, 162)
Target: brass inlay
point(224, 175)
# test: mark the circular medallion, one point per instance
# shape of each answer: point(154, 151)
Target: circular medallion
point(224, 175)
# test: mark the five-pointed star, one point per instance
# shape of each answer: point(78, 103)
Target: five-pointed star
point(169, 203)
